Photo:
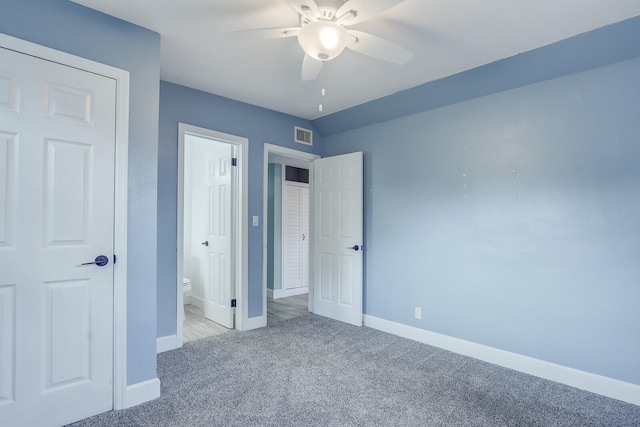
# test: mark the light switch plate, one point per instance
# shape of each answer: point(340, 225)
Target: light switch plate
point(255, 220)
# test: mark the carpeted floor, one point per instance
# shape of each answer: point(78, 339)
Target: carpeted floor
point(312, 371)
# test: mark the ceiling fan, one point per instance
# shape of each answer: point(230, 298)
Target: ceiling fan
point(323, 32)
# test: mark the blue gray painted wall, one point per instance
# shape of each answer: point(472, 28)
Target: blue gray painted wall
point(259, 125)
point(512, 219)
point(74, 29)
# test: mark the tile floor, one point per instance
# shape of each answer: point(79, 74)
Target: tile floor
point(197, 327)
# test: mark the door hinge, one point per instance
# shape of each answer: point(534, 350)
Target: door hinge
point(114, 258)
point(233, 303)
point(234, 161)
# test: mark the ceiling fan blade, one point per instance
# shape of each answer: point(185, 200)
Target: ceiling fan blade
point(307, 8)
point(377, 47)
point(261, 33)
point(364, 9)
point(310, 68)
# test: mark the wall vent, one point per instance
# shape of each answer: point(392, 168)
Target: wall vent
point(303, 136)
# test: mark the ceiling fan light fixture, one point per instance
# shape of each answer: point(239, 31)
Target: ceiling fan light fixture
point(323, 40)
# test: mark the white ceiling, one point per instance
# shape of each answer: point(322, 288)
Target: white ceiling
point(447, 37)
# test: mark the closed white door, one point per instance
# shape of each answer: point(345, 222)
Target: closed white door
point(218, 234)
point(57, 141)
point(337, 248)
point(295, 237)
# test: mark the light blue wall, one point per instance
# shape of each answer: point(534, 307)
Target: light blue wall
point(71, 28)
point(181, 104)
point(513, 219)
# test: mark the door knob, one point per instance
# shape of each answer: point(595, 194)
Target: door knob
point(205, 243)
point(100, 261)
point(354, 247)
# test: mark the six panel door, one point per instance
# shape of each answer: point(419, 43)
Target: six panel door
point(57, 142)
point(338, 233)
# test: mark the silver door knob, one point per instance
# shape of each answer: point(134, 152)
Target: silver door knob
point(100, 261)
point(205, 243)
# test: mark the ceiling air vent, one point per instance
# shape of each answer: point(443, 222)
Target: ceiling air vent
point(303, 136)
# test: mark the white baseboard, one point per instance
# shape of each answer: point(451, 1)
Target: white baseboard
point(583, 380)
point(253, 323)
point(283, 293)
point(142, 392)
point(274, 293)
point(169, 342)
point(294, 291)
point(196, 301)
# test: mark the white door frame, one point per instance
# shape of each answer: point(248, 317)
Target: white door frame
point(121, 77)
point(241, 224)
point(294, 154)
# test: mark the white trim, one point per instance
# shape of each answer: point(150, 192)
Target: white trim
point(255, 323)
point(196, 301)
point(298, 155)
point(169, 342)
point(583, 380)
point(180, 241)
point(141, 392)
point(121, 193)
point(242, 215)
point(294, 291)
point(280, 293)
point(274, 293)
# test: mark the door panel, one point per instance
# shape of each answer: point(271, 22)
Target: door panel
point(57, 146)
point(67, 334)
point(295, 238)
point(8, 193)
point(67, 193)
point(291, 237)
point(218, 182)
point(7, 335)
point(337, 192)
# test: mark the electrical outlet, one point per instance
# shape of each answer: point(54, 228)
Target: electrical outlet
point(418, 313)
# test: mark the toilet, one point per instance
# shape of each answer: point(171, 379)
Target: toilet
point(186, 291)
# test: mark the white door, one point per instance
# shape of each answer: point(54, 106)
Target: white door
point(57, 141)
point(218, 234)
point(337, 228)
point(295, 238)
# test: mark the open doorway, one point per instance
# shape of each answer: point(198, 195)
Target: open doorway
point(286, 272)
point(211, 232)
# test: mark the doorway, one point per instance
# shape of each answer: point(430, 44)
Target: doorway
point(211, 230)
point(287, 285)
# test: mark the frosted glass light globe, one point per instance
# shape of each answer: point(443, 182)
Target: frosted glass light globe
point(323, 40)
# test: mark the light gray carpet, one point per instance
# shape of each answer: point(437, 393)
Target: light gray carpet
point(312, 371)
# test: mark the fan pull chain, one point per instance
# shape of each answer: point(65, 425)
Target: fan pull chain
point(322, 92)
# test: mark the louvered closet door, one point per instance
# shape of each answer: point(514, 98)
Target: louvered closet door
point(57, 142)
point(295, 236)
